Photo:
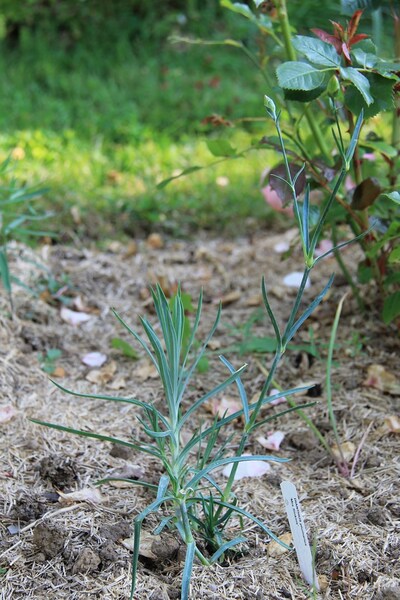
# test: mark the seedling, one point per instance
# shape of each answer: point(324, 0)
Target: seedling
point(127, 350)
point(14, 225)
point(197, 505)
point(48, 360)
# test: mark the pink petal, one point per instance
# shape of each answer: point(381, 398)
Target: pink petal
point(73, 317)
point(272, 198)
point(273, 441)
point(253, 468)
point(94, 359)
point(277, 401)
point(7, 413)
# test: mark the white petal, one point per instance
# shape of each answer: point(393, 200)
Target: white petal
point(94, 359)
point(281, 247)
point(73, 317)
point(294, 279)
point(253, 468)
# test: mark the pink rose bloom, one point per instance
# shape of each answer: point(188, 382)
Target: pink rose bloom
point(272, 198)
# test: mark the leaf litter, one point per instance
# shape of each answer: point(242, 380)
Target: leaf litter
point(356, 557)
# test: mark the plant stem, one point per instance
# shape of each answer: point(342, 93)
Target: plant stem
point(345, 270)
point(291, 55)
point(396, 111)
point(356, 156)
point(328, 382)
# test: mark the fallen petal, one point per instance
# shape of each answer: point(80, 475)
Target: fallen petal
point(223, 406)
point(277, 401)
point(273, 441)
point(146, 543)
point(146, 370)
point(323, 246)
point(103, 375)
point(72, 317)
point(7, 413)
point(275, 202)
point(281, 247)
point(381, 379)
point(393, 424)
point(253, 468)
point(85, 495)
point(294, 280)
point(94, 359)
point(119, 383)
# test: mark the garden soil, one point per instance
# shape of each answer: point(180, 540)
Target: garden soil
point(54, 545)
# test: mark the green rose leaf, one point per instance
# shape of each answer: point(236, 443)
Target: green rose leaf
point(302, 96)
point(295, 75)
point(381, 90)
point(359, 81)
point(391, 308)
point(394, 256)
point(364, 59)
point(317, 51)
point(221, 147)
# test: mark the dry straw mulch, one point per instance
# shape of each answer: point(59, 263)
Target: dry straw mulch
point(54, 549)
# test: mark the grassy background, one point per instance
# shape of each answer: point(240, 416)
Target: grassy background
point(101, 132)
point(100, 117)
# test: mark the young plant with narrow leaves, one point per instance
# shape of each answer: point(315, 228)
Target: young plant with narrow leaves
point(17, 214)
point(198, 506)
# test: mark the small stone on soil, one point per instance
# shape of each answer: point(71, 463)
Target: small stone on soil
point(376, 517)
point(166, 547)
point(302, 440)
point(118, 451)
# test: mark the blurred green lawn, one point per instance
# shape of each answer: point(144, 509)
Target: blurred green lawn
point(101, 128)
point(99, 115)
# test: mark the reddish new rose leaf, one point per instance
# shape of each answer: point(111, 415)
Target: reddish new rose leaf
point(338, 29)
point(346, 52)
point(353, 24)
point(357, 38)
point(329, 38)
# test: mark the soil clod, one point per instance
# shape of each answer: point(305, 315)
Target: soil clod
point(60, 471)
point(48, 540)
point(87, 561)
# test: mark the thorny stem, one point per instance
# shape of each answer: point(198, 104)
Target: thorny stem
point(291, 55)
point(396, 111)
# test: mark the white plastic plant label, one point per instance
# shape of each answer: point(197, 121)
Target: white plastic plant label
point(297, 527)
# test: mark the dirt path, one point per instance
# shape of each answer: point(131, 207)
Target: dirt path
point(52, 548)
